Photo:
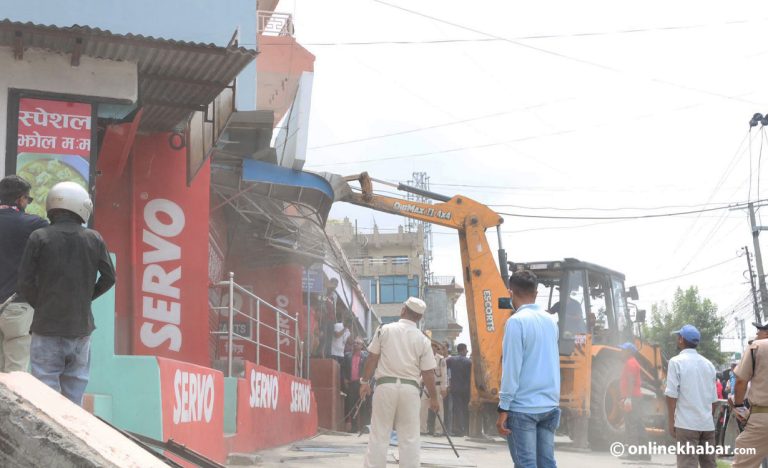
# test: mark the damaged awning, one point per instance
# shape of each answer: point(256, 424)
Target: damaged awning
point(280, 213)
point(176, 78)
point(289, 185)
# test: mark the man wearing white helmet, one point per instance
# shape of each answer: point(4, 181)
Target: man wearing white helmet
point(64, 267)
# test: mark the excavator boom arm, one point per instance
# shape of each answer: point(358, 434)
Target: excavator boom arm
point(483, 284)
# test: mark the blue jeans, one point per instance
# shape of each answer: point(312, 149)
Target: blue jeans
point(532, 441)
point(62, 363)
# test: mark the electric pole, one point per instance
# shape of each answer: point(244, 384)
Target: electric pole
point(752, 284)
point(758, 260)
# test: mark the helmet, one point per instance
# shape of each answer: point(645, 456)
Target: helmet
point(12, 187)
point(71, 197)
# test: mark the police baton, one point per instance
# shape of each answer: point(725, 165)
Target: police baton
point(445, 431)
point(7, 301)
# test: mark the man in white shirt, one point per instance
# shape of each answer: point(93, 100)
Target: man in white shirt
point(400, 354)
point(341, 334)
point(691, 397)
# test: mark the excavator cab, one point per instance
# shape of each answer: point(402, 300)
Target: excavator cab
point(590, 304)
point(586, 299)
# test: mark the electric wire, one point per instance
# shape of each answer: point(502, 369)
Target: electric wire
point(523, 38)
point(643, 216)
point(729, 169)
point(430, 127)
point(689, 273)
point(485, 145)
point(560, 55)
point(701, 209)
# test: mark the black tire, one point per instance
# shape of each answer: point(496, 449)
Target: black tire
point(606, 422)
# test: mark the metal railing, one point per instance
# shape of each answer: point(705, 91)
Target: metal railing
point(272, 23)
point(441, 280)
point(260, 303)
point(380, 261)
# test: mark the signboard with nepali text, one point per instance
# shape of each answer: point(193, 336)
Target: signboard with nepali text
point(53, 144)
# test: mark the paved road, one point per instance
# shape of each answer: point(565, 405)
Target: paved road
point(340, 450)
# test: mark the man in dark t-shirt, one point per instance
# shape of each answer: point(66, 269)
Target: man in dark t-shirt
point(15, 229)
point(460, 369)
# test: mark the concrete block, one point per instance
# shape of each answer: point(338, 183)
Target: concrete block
point(39, 427)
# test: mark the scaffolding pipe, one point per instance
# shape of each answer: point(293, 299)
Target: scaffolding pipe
point(296, 346)
point(231, 321)
point(309, 343)
point(258, 333)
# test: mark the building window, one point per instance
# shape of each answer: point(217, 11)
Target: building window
point(394, 289)
point(413, 287)
point(371, 285)
point(397, 259)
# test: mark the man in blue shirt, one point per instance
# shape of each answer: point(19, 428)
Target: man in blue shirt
point(530, 378)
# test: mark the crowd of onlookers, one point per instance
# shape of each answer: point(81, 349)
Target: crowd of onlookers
point(529, 395)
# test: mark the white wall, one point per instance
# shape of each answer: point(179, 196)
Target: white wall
point(41, 70)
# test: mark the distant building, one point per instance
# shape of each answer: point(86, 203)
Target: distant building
point(389, 267)
point(441, 295)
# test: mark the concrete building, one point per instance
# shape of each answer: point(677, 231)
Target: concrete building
point(441, 295)
point(389, 266)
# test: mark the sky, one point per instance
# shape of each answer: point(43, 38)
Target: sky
point(559, 109)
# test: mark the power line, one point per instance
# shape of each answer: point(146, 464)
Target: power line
point(689, 273)
point(620, 208)
point(500, 143)
point(521, 38)
point(430, 127)
point(558, 54)
point(644, 216)
point(718, 185)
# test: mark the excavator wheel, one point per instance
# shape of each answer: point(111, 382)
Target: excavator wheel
point(606, 424)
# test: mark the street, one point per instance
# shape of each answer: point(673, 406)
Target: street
point(341, 450)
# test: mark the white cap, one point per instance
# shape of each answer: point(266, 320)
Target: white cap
point(416, 305)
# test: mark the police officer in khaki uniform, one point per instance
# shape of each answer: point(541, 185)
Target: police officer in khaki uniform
point(441, 384)
point(400, 354)
point(753, 370)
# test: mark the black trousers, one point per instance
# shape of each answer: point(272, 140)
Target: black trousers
point(353, 396)
point(460, 420)
point(433, 425)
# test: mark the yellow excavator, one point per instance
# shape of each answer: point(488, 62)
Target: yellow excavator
point(594, 322)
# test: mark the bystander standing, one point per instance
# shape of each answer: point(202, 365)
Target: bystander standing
point(352, 370)
point(64, 267)
point(529, 396)
point(630, 383)
point(427, 416)
point(691, 399)
point(459, 369)
point(15, 228)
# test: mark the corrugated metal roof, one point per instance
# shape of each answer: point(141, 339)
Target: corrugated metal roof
point(175, 77)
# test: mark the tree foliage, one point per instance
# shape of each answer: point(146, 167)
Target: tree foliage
point(688, 307)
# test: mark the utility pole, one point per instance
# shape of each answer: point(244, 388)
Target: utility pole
point(758, 260)
point(752, 285)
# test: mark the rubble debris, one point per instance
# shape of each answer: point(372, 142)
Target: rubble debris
point(39, 427)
